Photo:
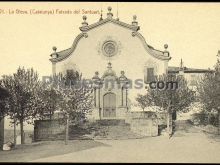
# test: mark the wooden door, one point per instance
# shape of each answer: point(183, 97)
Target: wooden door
point(109, 107)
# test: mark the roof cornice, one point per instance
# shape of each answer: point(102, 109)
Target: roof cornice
point(162, 55)
point(115, 21)
point(66, 53)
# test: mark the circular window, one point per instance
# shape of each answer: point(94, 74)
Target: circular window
point(109, 48)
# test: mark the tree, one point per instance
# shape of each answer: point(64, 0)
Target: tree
point(4, 94)
point(170, 99)
point(48, 100)
point(8, 104)
point(75, 99)
point(22, 103)
point(209, 91)
point(143, 101)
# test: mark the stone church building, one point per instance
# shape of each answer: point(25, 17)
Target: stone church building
point(111, 49)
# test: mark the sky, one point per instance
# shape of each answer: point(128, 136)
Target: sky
point(191, 30)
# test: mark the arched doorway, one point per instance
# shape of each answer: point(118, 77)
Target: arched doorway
point(109, 105)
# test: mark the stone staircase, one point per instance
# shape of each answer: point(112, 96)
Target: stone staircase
point(111, 122)
point(111, 129)
point(182, 127)
point(101, 129)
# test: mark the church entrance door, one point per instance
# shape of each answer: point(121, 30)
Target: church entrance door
point(109, 107)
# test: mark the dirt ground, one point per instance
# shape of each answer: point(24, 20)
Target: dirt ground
point(188, 145)
point(39, 150)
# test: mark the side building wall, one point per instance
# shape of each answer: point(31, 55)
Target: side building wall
point(49, 129)
point(1, 133)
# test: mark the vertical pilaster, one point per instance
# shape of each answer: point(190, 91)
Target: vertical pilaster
point(166, 67)
point(53, 68)
point(100, 112)
point(122, 98)
point(95, 101)
point(126, 97)
point(54, 55)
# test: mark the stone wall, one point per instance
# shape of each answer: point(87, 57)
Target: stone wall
point(121, 112)
point(143, 123)
point(49, 129)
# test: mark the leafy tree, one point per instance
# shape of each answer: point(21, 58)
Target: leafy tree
point(209, 91)
point(8, 105)
point(170, 99)
point(22, 86)
point(48, 101)
point(75, 99)
point(4, 94)
point(143, 101)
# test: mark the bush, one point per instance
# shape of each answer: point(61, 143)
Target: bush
point(199, 118)
point(203, 118)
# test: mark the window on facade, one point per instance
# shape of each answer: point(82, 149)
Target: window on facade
point(149, 75)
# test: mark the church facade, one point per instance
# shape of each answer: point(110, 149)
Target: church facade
point(112, 50)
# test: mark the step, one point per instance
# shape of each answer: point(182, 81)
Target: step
point(108, 122)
